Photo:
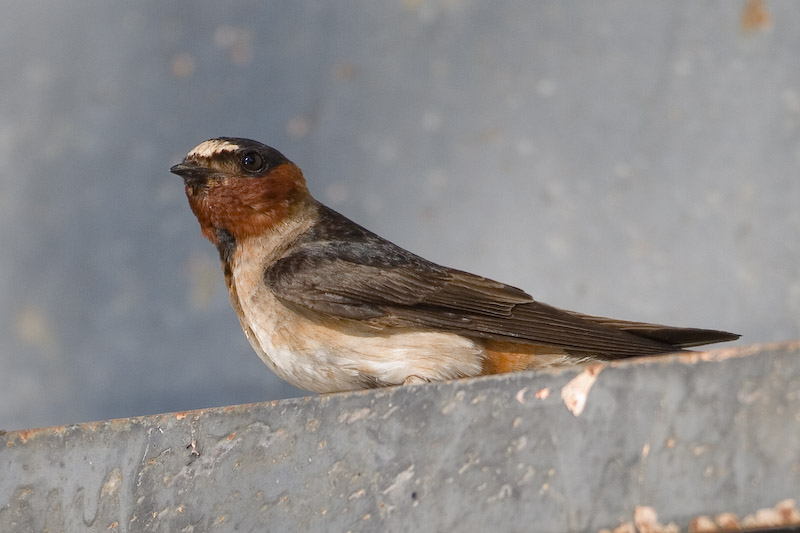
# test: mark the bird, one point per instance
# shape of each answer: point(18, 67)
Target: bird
point(330, 306)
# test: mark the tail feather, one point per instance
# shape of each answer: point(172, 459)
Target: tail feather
point(672, 335)
point(510, 356)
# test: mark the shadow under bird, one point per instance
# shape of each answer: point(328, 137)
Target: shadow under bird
point(330, 306)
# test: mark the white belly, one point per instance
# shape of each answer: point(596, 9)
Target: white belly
point(335, 355)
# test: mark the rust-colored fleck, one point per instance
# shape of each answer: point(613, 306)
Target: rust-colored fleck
point(728, 522)
point(180, 416)
point(702, 524)
point(645, 518)
point(699, 450)
point(756, 16)
point(542, 394)
point(788, 511)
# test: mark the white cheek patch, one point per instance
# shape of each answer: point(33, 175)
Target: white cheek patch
point(213, 147)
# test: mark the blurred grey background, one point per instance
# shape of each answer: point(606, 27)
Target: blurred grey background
point(636, 160)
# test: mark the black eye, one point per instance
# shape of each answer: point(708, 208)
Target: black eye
point(253, 162)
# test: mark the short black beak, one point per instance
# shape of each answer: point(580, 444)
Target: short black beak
point(192, 174)
point(177, 169)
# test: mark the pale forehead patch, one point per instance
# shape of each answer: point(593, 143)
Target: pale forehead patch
point(212, 148)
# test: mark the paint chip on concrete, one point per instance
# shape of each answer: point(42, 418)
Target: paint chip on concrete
point(576, 391)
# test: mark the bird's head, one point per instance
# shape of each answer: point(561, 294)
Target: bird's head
point(240, 187)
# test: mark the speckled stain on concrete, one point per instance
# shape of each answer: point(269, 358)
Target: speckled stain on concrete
point(689, 435)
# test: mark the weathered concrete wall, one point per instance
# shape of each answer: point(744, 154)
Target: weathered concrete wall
point(620, 158)
point(690, 435)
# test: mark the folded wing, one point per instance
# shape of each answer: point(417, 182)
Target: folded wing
point(353, 274)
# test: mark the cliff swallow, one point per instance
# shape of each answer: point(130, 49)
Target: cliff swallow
point(330, 306)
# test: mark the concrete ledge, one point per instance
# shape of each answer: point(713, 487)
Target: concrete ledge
point(688, 435)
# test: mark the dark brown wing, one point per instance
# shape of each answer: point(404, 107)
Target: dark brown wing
point(342, 270)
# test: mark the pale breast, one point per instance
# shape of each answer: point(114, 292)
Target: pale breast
point(323, 354)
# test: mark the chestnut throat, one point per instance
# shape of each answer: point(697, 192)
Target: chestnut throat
point(232, 208)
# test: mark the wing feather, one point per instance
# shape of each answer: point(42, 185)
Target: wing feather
point(342, 270)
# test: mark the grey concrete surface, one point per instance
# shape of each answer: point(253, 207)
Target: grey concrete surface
point(619, 158)
point(699, 434)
